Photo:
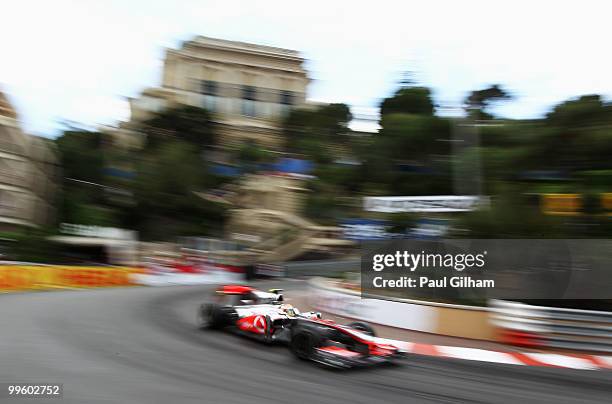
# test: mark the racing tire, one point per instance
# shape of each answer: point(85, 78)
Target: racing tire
point(205, 319)
point(363, 327)
point(303, 344)
point(212, 316)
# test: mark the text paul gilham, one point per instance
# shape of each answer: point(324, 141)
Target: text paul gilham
point(424, 281)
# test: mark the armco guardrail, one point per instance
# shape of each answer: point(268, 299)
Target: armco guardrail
point(552, 327)
point(321, 268)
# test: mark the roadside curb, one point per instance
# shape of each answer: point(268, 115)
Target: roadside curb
point(579, 361)
point(348, 304)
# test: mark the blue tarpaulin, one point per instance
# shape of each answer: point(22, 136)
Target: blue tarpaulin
point(225, 170)
point(295, 166)
point(283, 165)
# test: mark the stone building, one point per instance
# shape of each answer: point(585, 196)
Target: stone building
point(247, 87)
point(28, 174)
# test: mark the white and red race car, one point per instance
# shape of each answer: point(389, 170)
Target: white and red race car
point(264, 316)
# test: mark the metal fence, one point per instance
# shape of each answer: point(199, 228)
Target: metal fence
point(551, 327)
point(322, 268)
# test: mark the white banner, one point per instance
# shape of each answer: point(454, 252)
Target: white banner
point(407, 316)
point(177, 278)
point(437, 203)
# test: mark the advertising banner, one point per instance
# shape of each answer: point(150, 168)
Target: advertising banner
point(394, 314)
point(365, 229)
point(437, 203)
point(36, 277)
point(561, 204)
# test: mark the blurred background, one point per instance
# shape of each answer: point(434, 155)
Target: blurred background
point(157, 147)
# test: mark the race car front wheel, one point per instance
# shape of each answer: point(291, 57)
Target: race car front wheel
point(304, 343)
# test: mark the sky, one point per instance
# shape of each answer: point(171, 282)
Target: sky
point(79, 60)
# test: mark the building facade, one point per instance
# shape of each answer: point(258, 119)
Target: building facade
point(28, 175)
point(247, 87)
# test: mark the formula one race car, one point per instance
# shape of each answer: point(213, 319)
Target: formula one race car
point(264, 316)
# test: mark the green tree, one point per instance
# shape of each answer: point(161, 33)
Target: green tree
point(587, 111)
point(418, 138)
point(314, 132)
point(80, 154)
point(166, 205)
point(576, 135)
point(479, 102)
point(409, 100)
point(187, 123)
point(251, 155)
point(82, 161)
point(409, 156)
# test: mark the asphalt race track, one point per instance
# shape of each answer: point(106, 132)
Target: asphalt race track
point(140, 345)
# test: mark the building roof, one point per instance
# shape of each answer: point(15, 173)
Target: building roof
point(243, 47)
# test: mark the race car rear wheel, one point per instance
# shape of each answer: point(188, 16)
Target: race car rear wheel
point(205, 316)
point(214, 316)
point(303, 344)
point(363, 327)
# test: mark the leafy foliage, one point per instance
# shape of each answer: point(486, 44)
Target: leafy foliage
point(167, 172)
point(164, 192)
point(306, 130)
point(80, 155)
point(479, 102)
point(415, 153)
point(82, 162)
point(190, 124)
point(409, 100)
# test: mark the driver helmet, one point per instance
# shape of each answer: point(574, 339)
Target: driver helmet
point(289, 310)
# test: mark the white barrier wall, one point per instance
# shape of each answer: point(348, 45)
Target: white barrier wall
point(177, 278)
point(385, 312)
point(432, 317)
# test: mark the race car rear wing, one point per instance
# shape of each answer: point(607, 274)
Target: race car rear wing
point(234, 289)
